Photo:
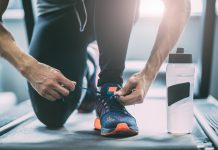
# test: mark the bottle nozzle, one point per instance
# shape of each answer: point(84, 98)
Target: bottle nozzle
point(180, 50)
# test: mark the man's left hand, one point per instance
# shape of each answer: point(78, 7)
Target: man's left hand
point(135, 90)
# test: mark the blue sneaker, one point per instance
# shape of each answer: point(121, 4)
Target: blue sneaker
point(113, 119)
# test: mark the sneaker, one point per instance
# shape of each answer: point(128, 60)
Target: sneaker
point(88, 103)
point(113, 119)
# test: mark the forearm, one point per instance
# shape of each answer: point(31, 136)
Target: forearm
point(11, 52)
point(49, 82)
point(8, 48)
point(171, 26)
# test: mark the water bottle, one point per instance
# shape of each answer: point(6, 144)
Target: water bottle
point(180, 83)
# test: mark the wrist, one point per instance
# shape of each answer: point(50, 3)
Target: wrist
point(148, 74)
point(26, 64)
point(146, 80)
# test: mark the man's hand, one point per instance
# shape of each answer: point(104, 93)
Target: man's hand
point(171, 26)
point(135, 90)
point(48, 82)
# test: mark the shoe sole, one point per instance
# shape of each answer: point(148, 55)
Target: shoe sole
point(122, 129)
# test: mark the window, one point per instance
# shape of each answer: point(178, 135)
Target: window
point(217, 7)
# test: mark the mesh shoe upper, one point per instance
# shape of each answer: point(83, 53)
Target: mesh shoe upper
point(110, 110)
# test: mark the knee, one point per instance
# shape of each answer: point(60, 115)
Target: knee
point(53, 114)
point(52, 121)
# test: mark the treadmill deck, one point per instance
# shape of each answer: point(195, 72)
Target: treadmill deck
point(78, 133)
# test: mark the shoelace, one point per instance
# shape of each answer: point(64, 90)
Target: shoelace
point(89, 90)
point(98, 92)
point(83, 88)
point(109, 103)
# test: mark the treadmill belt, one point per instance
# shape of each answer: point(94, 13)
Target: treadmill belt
point(16, 112)
point(78, 133)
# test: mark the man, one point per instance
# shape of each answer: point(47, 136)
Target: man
point(113, 24)
point(61, 35)
point(58, 41)
point(174, 19)
point(40, 76)
point(113, 117)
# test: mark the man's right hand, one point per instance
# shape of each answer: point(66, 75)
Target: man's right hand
point(49, 82)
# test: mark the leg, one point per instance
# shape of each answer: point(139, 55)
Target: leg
point(114, 20)
point(113, 36)
point(58, 42)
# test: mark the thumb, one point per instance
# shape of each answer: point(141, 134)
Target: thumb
point(123, 91)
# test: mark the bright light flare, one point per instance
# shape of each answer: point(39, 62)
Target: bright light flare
point(151, 8)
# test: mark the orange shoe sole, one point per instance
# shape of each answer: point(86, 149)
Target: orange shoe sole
point(97, 124)
point(122, 129)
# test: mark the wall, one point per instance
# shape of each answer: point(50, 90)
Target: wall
point(144, 33)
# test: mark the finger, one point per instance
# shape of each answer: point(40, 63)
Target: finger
point(127, 100)
point(66, 82)
point(134, 98)
point(60, 89)
point(54, 94)
point(123, 91)
point(49, 97)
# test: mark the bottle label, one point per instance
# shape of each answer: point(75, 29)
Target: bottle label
point(178, 92)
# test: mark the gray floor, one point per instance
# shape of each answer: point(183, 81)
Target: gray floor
point(78, 133)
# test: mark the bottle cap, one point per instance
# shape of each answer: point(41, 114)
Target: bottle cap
point(180, 57)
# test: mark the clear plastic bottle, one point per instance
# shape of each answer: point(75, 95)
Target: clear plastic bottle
point(180, 83)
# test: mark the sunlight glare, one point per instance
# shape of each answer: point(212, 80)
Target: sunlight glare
point(151, 8)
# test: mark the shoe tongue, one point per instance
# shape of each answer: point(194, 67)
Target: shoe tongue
point(109, 89)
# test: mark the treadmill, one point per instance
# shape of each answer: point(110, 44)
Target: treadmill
point(206, 106)
point(20, 129)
